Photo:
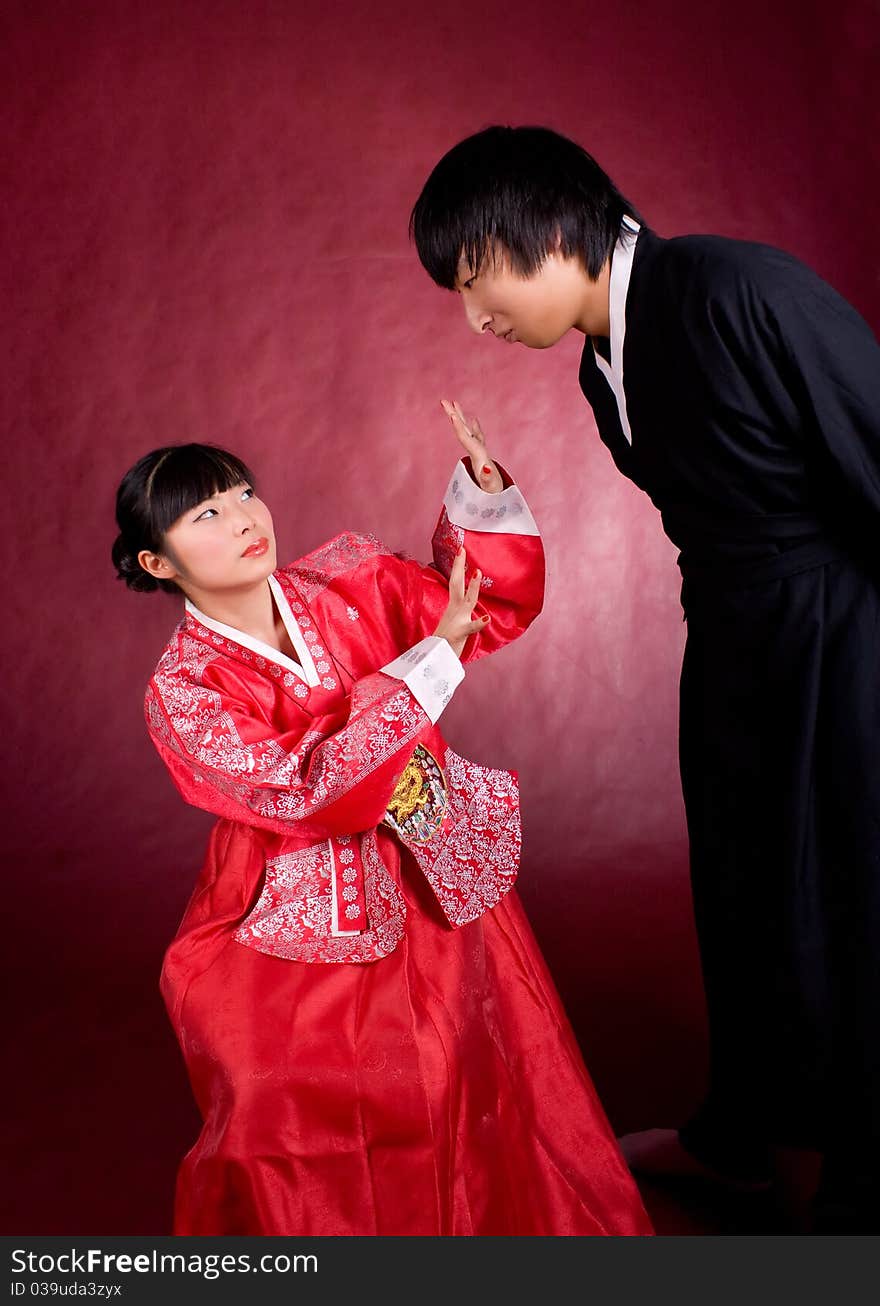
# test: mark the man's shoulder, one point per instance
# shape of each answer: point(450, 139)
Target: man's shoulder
point(722, 263)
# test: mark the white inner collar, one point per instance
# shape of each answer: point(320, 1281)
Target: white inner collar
point(621, 271)
point(305, 669)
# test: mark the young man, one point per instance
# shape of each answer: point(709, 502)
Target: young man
point(742, 394)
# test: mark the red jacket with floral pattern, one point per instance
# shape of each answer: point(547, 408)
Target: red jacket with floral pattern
point(313, 754)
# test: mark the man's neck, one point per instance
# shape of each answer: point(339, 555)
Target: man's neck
point(595, 318)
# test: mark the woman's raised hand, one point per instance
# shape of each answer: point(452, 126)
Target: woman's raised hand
point(457, 624)
point(472, 440)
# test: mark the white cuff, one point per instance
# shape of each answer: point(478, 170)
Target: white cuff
point(431, 671)
point(473, 509)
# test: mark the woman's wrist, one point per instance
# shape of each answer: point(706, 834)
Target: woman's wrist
point(486, 475)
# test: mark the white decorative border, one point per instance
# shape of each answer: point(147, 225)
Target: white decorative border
point(621, 271)
point(431, 671)
point(335, 928)
point(304, 670)
point(473, 509)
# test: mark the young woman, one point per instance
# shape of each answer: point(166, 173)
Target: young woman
point(371, 1035)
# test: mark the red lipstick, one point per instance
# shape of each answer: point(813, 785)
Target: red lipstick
point(257, 549)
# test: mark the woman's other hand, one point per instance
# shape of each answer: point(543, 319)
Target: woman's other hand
point(472, 440)
point(457, 624)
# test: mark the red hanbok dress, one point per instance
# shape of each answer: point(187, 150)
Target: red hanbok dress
point(371, 1034)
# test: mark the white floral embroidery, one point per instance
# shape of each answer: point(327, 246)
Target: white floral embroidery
point(293, 917)
point(296, 896)
point(352, 614)
point(321, 667)
point(473, 860)
point(301, 690)
point(314, 573)
point(470, 864)
point(191, 721)
point(346, 856)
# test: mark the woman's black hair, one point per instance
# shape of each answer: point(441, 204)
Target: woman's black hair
point(156, 491)
point(523, 188)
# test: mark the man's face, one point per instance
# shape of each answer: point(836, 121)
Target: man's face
point(535, 311)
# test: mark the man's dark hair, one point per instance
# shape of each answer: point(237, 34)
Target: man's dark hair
point(523, 188)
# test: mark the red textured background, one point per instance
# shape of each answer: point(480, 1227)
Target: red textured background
point(204, 237)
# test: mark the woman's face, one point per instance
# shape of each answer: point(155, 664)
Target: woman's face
point(226, 543)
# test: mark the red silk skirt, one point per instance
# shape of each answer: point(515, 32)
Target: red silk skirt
point(439, 1091)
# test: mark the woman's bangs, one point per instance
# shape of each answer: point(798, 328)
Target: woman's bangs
point(188, 475)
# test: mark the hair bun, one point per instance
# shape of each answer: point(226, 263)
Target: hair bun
point(129, 569)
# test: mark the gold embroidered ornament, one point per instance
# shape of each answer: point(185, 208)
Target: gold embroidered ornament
point(418, 804)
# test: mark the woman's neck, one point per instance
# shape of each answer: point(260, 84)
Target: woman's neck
point(251, 611)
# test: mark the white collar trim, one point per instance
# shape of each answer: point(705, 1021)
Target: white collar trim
point(305, 669)
point(621, 271)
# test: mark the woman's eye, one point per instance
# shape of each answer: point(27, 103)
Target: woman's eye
point(470, 281)
point(208, 512)
point(248, 493)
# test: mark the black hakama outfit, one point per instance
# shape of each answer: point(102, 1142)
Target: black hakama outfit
point(742, 394)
